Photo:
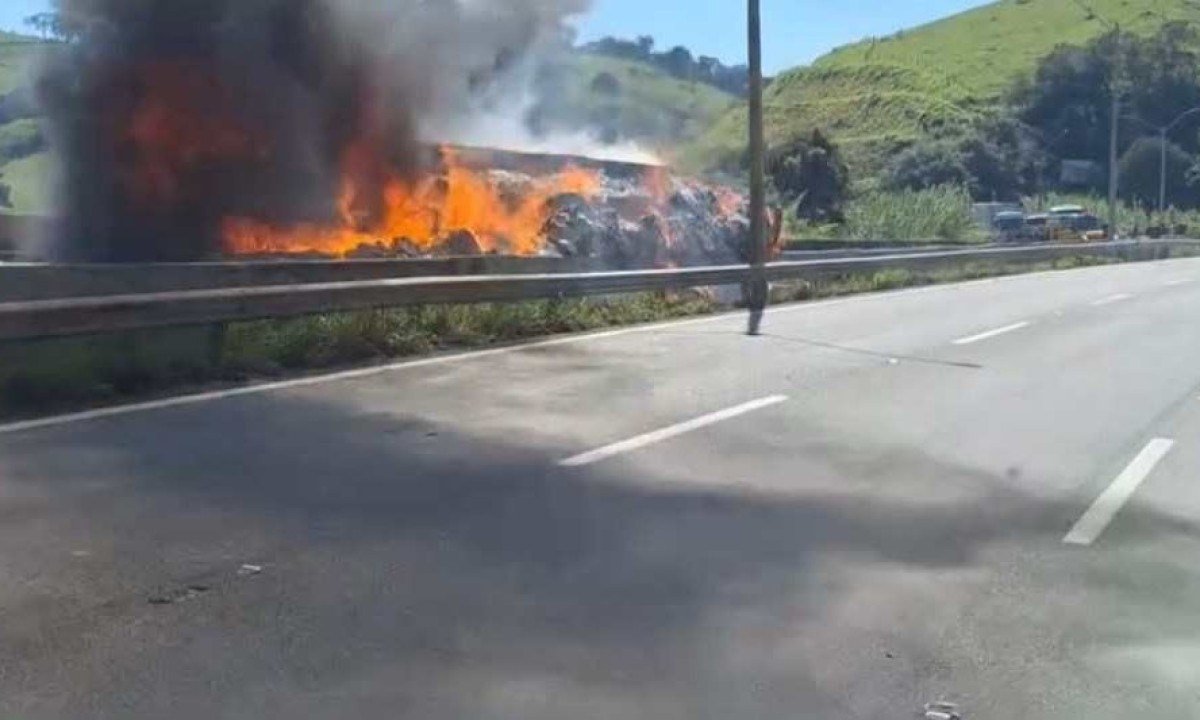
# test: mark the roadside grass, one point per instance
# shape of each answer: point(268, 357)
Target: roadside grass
point(55, 375)
point(1133, 220)
point(941, 213)
point(803, 290)
point(937, 215)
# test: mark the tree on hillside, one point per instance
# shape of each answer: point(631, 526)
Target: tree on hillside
point(50, 26)
point(606, 83)
point(1140, 174)
point(926, 164)
point(810, 177)
point(706, 68)
point(1069, 96)
point(5, 194)
point(1003, 159)
point(995, 159)
point(678, 62)
point(618, 48)
point(42, 23)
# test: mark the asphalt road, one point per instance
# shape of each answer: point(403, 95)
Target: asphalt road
point(983, 493)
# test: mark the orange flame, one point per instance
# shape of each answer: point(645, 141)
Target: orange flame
point(423, 212)
point(657, 182)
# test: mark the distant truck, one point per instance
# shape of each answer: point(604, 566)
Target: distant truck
point(1073, 223)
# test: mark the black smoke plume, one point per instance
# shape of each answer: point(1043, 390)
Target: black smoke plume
point(168, 116)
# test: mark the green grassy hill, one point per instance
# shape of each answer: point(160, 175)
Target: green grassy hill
point(882, 92)
point(647, 104)
point(23, 172)
point(16, 54)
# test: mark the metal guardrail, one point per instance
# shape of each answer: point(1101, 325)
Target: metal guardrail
point(794, 255)
point(43, 281)
point(83, 315)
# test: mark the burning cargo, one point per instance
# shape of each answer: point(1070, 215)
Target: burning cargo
point(483, 201)
point(191, 129)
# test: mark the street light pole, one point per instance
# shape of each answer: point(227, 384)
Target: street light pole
point(1163, 134)
point(757, 300)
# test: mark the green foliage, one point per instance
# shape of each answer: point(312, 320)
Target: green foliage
point(606, 83)
point(1134, 220)
point(1004, 158)
point(810, 177)
point(626, 100)
point(29, 179)
point(20, 139)
point(676, 62)
point(1070, 100)
point(1141, 174)
point(939, 213)
point(995, 158)
point(17, 53)
point(882, 94)
point(927, 164)
point(5, 194)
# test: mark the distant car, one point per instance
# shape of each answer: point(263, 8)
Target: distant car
point(1008, 226)
point(1037, 228)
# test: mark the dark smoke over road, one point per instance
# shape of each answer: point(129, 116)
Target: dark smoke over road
point(168, 116)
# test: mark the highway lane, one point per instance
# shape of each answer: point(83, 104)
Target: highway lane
point(889, 533)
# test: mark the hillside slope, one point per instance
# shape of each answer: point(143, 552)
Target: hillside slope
point(882, 92)
point(642, 102)
point(16, 54)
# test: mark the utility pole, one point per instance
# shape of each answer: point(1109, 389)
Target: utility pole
point(758, 290)
point(1115, 86)
point(1113, 170)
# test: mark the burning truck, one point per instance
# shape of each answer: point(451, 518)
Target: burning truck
point(194, 129)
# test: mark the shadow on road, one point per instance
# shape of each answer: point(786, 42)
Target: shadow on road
point(410, 571)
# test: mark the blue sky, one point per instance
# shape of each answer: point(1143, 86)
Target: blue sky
point(794, 31)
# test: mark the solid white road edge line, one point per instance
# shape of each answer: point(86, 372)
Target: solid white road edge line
point(355, 374)
point(1102, 512)
point(1119, 297)
point(657, 436)
point(211, 396)
point(196, 398)
point(1180, 281)
point(992, 333)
